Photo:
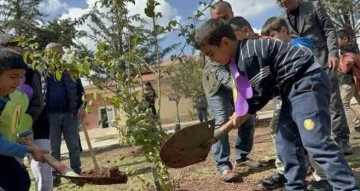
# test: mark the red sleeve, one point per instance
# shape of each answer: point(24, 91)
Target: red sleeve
point(346, 63)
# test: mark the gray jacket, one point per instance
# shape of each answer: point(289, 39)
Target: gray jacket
point(314, 23)
point(214, 77)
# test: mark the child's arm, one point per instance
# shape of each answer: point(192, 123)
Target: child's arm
point(12, 149)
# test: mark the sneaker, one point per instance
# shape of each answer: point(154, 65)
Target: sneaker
point(228, 175)
point(252, 164)
point(274, 181)
point(56, 181)
point(322, 185)
point(345, 147)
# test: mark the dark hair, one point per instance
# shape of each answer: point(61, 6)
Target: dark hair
point(6, 40)
point(221, 3)
point(273, 24)
point(342, 33)
point(237, 23)
point(9, 59)
point(212, 31)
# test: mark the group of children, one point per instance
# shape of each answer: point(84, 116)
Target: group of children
point(280, 65)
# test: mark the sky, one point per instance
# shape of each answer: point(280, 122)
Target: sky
point(256, 11)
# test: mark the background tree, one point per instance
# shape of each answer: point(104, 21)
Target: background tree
point(62, 31)
point(346, 15)
point(21, 17)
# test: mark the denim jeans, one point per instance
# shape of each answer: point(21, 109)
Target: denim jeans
point(304, 123)
point(66, 124)
point(219, 105)
point(202, 114)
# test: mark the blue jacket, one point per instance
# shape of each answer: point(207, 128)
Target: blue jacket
point(62, 96)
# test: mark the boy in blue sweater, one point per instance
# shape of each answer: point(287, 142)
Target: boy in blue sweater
point(276, 68)
point(13, 123)
point(277, 28)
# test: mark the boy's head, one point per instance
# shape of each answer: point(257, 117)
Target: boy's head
point(12, 70)
point(342, 38)
point(6, 40)
point(288, 5)
point(277, 28)
point(217, 40)
point(242, 28)
point(221, 10)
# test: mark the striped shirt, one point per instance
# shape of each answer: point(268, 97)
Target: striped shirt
point(270, 65)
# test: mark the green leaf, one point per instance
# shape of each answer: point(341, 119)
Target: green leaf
point(58, 75)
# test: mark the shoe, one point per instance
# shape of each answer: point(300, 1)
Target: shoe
point(273, 182)
point(356, 133)
point(252, 164)
point(228, 175)
point(321, 185)
point(56, 181)
point(345, 147)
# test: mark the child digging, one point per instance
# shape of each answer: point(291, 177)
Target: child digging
point(276, 68)
point(13, 105)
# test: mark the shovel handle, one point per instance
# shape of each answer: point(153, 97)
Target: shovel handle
point(223, 130)
point(57, 165)
point(91, 150)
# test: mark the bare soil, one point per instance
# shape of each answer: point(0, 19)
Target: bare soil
point(202, 176)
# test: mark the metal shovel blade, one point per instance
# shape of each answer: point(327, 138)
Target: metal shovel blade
point(188, 146)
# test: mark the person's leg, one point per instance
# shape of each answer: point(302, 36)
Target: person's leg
point(273, 126)
point(71, 136)
point(339, 124)
point(219, 106)
point(356, 133)
point(13, 176)
point(276, 180)
point(42, 171)
point(310, 96)
point(245, 139)
point(199, 114)
point(205, 114)
point(56, 125)
point(290, 151)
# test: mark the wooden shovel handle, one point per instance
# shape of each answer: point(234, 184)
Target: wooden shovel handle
point(91, 150)
point(223, 130)
point(57, 165)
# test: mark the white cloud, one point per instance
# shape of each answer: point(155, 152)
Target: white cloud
point(167, 11)
point(251, 8)
point(52, 6)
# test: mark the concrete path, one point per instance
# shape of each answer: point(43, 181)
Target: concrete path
point(109, 136)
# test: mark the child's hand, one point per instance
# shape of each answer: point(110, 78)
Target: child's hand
point(238, 120)
point(38, 153)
